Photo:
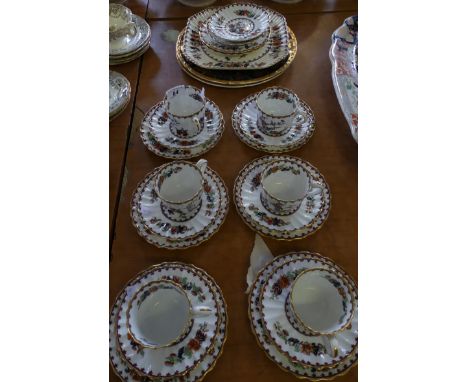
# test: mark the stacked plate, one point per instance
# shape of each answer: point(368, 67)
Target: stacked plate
point(168, 323)
point(237, 37)
point(344, 58)
point(303, 311)
point(282, 197)
point(119, 93)
point(129, 35)
point(164, 134)
point(247, 122)
point(179, 205)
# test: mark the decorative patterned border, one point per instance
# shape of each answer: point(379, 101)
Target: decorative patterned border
point(145, 32)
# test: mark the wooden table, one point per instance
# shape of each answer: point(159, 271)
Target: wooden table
point(226, 255)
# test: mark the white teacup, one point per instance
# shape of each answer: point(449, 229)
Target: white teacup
point(321, 301)
point(179, 185)
point(185, 106)
point(160, 313)
point(278, 111)
point(285, 184)
point(120, 22)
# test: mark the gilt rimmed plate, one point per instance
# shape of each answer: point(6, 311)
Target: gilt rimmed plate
point(343, 55)
point(131, 57)
point(262, 337)
point(157, 137)
point(122, 47)
point(163, 242)
point(228, 48)
point(149, 209)
point(310, 351)
point(272, 52)
point(126, 373)
point(244, 123)
point(251, 210)
point(239, 22)
point(177, 359)
point(119, 93)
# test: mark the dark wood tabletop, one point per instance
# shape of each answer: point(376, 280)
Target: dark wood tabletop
point(226, 255)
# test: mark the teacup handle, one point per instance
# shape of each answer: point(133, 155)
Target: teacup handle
point(197, 122)
point(201, 164)
point(200, 311)
point(314, 185)
point(300, 116)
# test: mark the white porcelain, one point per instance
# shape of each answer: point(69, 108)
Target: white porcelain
point(121, 24)
point(319, 301)
point(158, 138)
point(179, 185)
point(124, 370)
point(123, 48)
point(344, 57)
point(311, 215)
point(213, 180)
point(278, 111)
point(155, 220)
point(262, 335)
point(276, 48)
point(239, 22)
point(185, 106)
point(244, 121)
point(197, 3)
point(183, 356)
point(119, 93)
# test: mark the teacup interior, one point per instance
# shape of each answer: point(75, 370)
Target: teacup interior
point(317, 301)
point(179, 182)
point(286, 182)
point(276, 102)
point(184, 101)
point(162, 316)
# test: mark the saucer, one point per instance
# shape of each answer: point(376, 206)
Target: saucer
point(130, 57)
point(151, 214)
point(307, 220)
point(128, 374)
point(265, 342)
point(244, 123)
point(310, 351)
point(119, 93)
point(163, 242)
point(121, 48)
point(239, 22)
point(179, 358)
point(157, 137)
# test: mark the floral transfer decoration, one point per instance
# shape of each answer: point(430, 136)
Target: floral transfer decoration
point(150, 290)
point(263, 216)
point(166, 226)
point(244, 12)
point(188, 350)
point(167, 173)
point(284, 168)
point(285, 281)
point(256, 181)
point(188, 286)
point(299, 346)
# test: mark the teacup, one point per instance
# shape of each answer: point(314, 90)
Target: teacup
point(321, 301)
point(179, 185)
point(159, 314)
point(278, 111)
point(120, 22)
point(285, 184)
point(185, 106)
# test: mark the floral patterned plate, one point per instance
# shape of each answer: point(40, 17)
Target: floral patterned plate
point(228, 48)
point(151, 214)
point(343, 55)
point(128, 374)
point(185, 355)
point(264, 340)
point(157, 137)
point(244, 123)
point(272, 52)
point(162, 242)
point(239, 22)
point(316, 351)
point(121, 47)
point(119, 93)
point(308, 219)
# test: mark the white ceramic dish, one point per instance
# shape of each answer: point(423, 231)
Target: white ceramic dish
point(119, 93)
point(124, 48)
point(343, 55)
point(273, 51)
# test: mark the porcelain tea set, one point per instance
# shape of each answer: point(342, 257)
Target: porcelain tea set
point(168, 323)
point(129, 35)
point(119, 94)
